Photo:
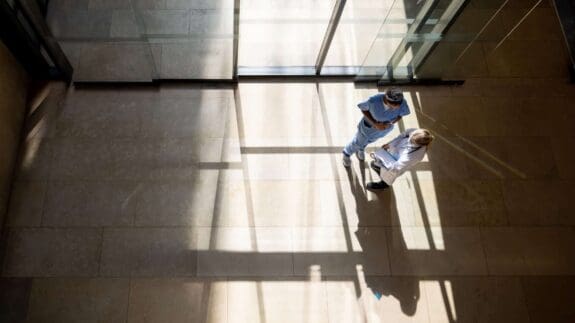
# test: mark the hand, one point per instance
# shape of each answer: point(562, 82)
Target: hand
point(386, 146)
point(382, 125)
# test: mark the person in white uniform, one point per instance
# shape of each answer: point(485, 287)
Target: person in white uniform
point(399, 155)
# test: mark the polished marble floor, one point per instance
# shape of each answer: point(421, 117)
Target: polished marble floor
point(182, 203)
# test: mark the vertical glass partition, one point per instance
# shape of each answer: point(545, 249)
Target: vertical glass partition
point(441, 39)
point(359, 27)
point(142, 40)
point(282, 37)
point(483, 39)
point(407, 34)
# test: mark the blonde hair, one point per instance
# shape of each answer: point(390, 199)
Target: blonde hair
point(422, 137)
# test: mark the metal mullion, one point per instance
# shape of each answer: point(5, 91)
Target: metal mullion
point(453, 11)
point(143, 37)
point(236, 38)
point(329, 34)
point(37, 21)
point(20, 43)
point(418, 23)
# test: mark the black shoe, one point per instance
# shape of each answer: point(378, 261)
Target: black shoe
point(377, 185)
point(376, 168)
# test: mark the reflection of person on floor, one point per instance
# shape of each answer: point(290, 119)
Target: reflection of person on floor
point(400, 154)
point(380, 112)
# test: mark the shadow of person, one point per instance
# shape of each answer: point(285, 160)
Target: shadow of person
point(376, 213)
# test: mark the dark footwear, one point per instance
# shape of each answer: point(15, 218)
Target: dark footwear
point(377, 185)
point(376, 168)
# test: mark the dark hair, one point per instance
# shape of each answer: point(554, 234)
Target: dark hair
point(394, 95)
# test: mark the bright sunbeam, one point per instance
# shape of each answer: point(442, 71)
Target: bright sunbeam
point(441, 291)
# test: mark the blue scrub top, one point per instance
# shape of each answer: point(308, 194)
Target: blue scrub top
point(380, 112)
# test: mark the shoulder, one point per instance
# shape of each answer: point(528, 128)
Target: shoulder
point(377, 97)
point(404, 106)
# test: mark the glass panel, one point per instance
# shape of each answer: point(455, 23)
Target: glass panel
point(439, 39)
point(141, 40)
point(404, 25)
point(282, 36)
point(467, 47)
point(358, 28)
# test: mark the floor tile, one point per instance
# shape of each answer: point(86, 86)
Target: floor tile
point(460, 203)
point(245, 252)
point(70, 204)
point(178, 300)
point(26, 203)
point(548, 298)
point(166, 22)
point(125, 24)
point(148, 252)
point(199, 4)
point(207, 21)
point(529, 251)
point(539, 202)
point(176, 203)
point(276, 301)
point(79, 23)
point(116, 61)
point(108, 4)
point(436, 251)
point(484, 299)
point(377, 299)
point(14, 298)
point(564, 158)
point(75, 300)
point(52, 252)
point(97, 115)
point(527, 157)
point(350, 204)
point(213, 59)
point(35, 159)
point(282, 203)
point(186, 117)
point(337, 251)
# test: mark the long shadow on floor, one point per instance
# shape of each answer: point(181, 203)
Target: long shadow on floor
point(405, 290)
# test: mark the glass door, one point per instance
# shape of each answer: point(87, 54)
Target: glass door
point(406, 36)
point(388, 39)
point(281, 37)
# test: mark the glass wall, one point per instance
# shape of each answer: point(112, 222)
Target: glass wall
point(357, 31)
point(282, 36)
point(443, 39)
point(482, 40)
point(142, 40)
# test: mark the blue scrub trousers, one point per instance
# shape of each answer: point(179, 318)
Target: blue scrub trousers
point(365, 135)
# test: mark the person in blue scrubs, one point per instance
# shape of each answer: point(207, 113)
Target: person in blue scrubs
point(380, 113)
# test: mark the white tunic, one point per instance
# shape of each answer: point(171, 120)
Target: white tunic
point(399, 157)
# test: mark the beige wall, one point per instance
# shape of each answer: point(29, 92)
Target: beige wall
point(13, 89)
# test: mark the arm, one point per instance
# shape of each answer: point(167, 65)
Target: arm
point(395, 140)
point(369, 117)
point(395, 120)
point(365, 106)
point(406, 161)
point(376, 124)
